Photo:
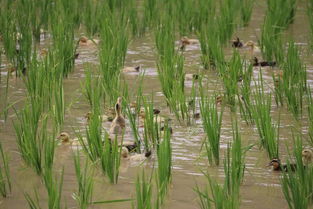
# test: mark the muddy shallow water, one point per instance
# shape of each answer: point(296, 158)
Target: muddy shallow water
point(261, 187)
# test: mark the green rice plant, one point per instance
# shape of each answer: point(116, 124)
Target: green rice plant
point(310, 16)
point(297, 186)
point(206, 9)
point(212, 123)
point(150, 15)
point(59, 107)
point(91, 17)
point(310, 115)
point(144, 192)
point(54, 188)
point(278, 89)
point(111, 158)
point(261, 111)
point(294, 80)
point(281, 12)
point(5, 179)
point(226, 196)
point(246, 11)
point(185, 16)
point(113, 46)
point(164, 171)
point(85, 183)
point(244, 100)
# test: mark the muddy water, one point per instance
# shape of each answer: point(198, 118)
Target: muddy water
point(261, 187)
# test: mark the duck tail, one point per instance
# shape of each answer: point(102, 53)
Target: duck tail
point(148, 154)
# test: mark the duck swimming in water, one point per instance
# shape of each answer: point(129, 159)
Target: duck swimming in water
point(66, 140)
point(135, 157)
point(184, 41)
point(277, 166)
point(132, 69)
point(253, 48)
point(307, 156)
point(263, 63)
point(84, 41)
point(237, 43)
point(118, 123)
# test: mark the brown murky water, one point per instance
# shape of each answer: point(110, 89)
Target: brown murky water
point(261, 187)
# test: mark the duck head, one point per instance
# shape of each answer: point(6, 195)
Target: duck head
point(307, 156)
point(124, 152)
point(83, 39)
point(64, 137)
point(275, 163)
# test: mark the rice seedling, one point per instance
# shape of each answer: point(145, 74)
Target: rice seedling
point(212, 123)
point(110, 159)
point(59, 106)
point(310, 115)
point(294, 80)
point(5, 178)
point(113, 46)
point(297, 186)
point(143, 192)
point(310, 16)
point(281, 12)
point(227, 195)
point(261, 112)
point(85, 183)
point(185, 16)
point(246, 11)
point(150, 15)
point(205, 10)
point(164, 171)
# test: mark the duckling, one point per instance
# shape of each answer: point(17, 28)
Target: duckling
point(135, 157)
point(118, 124)
point(66, 140)
point(263, 63)
point(253, 48)
point(131, 146)
point(184, 41)
point(237, 43)
point(277, 166)
point(191, 77)
point(219, 99)
point(132, 69)
point(84, 41)
point(307, 156)
point(11, 70)
point(196, 115)
point(104, 118)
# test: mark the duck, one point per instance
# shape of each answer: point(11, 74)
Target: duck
point(263, 63)
point(130, 146)
point(169, 128)
point(191, 77)
point(118, 123)
point(104, 118)
point(184, 41)
point(132, 69)
point(11, 70)
point(142, 112)
point(84, 41)
point(65, 139)
point(253, 48)
point(307, 156)
point(219, 99)
point(237, 43)
point(277, 166)
point(135, 157)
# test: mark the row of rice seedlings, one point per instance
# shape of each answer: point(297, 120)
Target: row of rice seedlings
point(310, 16)
point(212, 123)
point(85, 183)
point(185, 16)
point(164, 171)
point(246, 11)
point(150, 16)
point(113, 47)
point(261, 112)
point(91, 17)
point(244, 100)
point(227, 195)
point(205, 10)
point(5, 178)
point(297, 186)
point(294, 80)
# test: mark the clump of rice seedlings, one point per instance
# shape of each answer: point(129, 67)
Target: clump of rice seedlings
point(111, 158)
point(164, 171)
point(294, 80)
point(244, 100)
point(310, 116)
point(310, 15)
point(113, 46)
point(5, 180)
point(212, 123)
point(206, 10)
point(85, 183)
point(246, 11)
point(185, 16)
point(297, 186)
point(59, 107)
point(150, 15)
point(170, 65)
point(278, 89)
point(226, 196)
point(281, 12)
point(231, 74)
point(261, 111)
point(143, 192)
point(91, 17)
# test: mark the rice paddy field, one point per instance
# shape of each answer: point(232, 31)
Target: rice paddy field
point(156, 104)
